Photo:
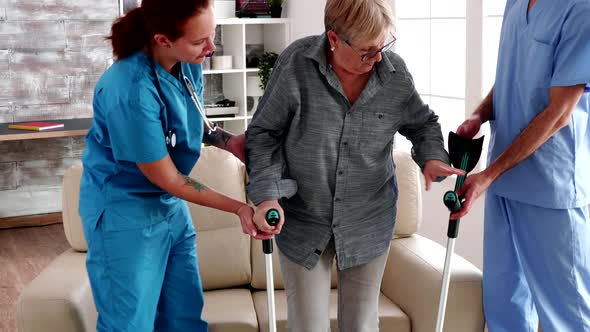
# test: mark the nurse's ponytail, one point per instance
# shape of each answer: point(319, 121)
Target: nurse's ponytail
point(128, 34)
point(134, 31)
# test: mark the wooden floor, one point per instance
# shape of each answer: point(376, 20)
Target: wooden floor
point(24, 253)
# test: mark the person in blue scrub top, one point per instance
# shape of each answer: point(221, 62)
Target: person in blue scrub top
point(145, 138)
point(537, 228)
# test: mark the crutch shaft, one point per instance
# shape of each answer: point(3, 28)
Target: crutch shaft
point(445, 285)
point(270, 293)
point(272, 218)
point(464, 154)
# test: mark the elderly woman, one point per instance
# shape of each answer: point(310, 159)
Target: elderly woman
point(321, 143)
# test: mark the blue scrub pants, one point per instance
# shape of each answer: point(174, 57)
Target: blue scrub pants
point(146, 278)
point(536, 267)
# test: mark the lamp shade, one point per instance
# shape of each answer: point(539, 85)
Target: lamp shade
point(253, 86)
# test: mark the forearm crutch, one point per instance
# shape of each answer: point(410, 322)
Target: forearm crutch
point(464, 154)
point(272, 218)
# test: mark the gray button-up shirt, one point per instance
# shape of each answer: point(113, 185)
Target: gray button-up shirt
point(330, 161)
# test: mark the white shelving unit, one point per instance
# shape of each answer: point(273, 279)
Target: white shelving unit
point(236, 33)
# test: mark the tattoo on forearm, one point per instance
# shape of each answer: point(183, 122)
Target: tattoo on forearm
point(191, 182)
point(219, 138)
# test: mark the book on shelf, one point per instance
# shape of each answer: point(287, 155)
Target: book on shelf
point(36, 125)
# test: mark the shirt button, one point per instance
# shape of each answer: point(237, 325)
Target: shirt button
point(340, 172)
point(345, 143)
point(337, 199)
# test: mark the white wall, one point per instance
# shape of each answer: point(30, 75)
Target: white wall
point(469, 243)
point(307, 18)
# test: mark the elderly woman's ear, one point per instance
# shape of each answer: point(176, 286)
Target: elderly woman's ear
point(332, 39)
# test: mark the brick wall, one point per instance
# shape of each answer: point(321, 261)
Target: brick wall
point(51, 54)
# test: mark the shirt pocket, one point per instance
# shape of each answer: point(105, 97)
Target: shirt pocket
point(539, 68)
point(378, 129)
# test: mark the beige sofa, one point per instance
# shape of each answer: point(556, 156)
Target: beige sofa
point(232, 267)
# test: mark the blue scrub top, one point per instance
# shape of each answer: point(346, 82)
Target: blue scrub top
point(132, 113)
point(549, 47)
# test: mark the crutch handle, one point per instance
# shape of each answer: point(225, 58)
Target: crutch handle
point(272, 217)
point(452, 201)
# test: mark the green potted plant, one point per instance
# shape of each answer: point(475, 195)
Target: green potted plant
point(265, 65)
point(276, 8)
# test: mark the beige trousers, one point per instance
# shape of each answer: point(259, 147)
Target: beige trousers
point(308, 294)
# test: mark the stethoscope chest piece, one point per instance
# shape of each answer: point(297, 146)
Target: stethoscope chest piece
point(171, 138)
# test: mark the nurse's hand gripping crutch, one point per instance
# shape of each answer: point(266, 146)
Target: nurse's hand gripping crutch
point(464, 154)
point(272, 218)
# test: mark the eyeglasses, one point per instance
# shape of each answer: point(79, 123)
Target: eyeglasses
point(372, 54)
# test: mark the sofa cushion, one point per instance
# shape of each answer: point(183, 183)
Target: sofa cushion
point(230, 310)
point(224, 258)
point(409, 203)
point(59, 298)
point(223, 249)
point(70, 200)
point(220, 171)
point(413, 276)
point(391, 317)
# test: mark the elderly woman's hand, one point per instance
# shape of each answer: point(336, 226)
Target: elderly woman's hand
point(435, 168)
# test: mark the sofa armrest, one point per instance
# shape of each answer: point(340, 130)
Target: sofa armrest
point(59, 299)
point(413, 278)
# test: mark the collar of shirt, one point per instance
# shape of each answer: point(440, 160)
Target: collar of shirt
point(162, 74)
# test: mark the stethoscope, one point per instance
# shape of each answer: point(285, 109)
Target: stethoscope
point(169, 132)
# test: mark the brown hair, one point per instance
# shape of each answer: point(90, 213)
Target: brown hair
point(135, 30)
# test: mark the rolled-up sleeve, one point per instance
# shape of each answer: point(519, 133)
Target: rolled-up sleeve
point(423, 130)
point(264, 139)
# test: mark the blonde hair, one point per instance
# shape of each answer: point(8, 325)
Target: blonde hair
point(358, 19)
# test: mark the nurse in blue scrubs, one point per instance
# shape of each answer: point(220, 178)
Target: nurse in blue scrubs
point(537, 228)
point(145, 138)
